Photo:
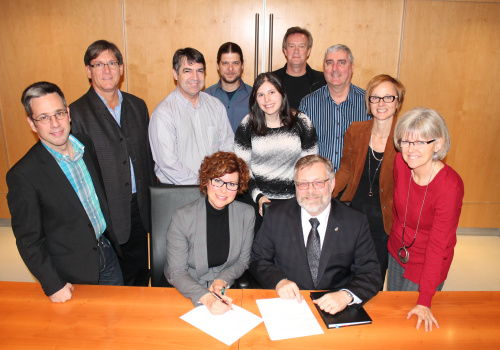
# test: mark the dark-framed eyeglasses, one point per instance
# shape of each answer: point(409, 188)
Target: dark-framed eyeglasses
point(304, 185)
point(386, 99)
point(45, 119)
point(231, 186)
point(101, 65)
point(416, 144)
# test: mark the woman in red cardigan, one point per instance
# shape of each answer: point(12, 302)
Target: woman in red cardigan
point(427, 203)
point(366, 168)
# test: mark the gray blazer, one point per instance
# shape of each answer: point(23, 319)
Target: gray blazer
point(187, 262)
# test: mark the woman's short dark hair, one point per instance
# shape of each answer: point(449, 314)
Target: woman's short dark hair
point(220, 164)
point(257, 115)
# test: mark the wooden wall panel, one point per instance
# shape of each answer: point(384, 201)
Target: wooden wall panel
point(4, 210)
point(155, 29)
point(370, 28)
point(46, 40)
point(450, 63)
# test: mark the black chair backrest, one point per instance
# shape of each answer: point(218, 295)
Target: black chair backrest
point(265, 206)
point(164, 201)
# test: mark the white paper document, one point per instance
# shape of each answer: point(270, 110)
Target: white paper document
point(286, 319)
point(228, 327)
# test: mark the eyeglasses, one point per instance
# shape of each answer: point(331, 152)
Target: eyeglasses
point(231, 186)
point(387, 99)
point(304, 185)
point(45, 119)
point(100, 65)
point(416, 144)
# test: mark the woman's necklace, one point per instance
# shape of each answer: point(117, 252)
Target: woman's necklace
point(370, 181)
point(404, 259)
point(371, 144)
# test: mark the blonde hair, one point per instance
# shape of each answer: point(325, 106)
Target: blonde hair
point(376, 81)
point(426, 123)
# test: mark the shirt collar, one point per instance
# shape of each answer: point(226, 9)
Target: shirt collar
point(120, 97)
point(323, 217)
point(184, 101)
point(350, 95)
point(78, 147)
point(241, 87)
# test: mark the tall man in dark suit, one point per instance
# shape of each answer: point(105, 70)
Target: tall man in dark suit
point(316, 242)
point(56, 199)
point(118, 123)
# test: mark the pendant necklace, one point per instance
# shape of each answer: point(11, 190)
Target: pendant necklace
point(404, 259)
point(370, 181)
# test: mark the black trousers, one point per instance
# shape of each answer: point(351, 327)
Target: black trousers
point(134, 263)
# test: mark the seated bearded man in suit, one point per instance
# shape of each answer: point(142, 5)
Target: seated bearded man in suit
point(315, 242)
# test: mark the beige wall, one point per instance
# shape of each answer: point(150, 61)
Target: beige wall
point(445, 52)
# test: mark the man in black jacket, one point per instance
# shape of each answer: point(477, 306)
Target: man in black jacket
point(118, 124)
point(315, 242)
point(298, 78)
point(56, 199)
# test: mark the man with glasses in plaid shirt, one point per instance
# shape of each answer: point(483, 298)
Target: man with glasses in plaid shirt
point(56, 199)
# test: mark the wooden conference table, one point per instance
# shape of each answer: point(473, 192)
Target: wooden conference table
point(104, 317)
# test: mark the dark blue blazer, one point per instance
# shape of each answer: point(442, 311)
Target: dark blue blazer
point(348, 259)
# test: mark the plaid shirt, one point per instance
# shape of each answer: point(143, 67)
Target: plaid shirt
point(78, 175)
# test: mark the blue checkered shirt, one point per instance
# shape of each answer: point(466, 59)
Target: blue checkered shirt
point(78, 175)
point(331, 120)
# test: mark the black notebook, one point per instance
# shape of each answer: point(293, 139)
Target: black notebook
point(351, 316)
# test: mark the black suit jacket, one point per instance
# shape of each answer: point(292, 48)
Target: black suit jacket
point(53, 233)
point(348, 259)
point(115, 146)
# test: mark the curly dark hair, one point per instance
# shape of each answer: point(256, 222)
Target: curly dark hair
point(220, 164)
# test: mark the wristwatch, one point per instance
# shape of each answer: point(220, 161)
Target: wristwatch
point(350, 295)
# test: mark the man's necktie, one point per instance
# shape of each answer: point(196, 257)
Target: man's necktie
point(313, 249)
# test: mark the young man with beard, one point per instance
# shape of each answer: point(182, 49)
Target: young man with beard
point(231, 90)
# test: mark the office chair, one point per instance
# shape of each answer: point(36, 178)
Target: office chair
point(164, 201)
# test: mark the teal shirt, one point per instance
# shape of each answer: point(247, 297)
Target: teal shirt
point(79, 177)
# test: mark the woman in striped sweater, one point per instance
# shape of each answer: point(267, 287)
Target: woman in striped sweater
point(271, 139)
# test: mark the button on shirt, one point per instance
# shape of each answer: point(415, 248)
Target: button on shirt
point(332, 120)
point(182, 135)
point(78, 175)
point(117, 113)
point(323, 223)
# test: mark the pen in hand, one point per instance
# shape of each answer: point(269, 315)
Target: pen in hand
point(219, 298)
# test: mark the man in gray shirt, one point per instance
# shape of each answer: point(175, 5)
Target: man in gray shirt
point(188, 124)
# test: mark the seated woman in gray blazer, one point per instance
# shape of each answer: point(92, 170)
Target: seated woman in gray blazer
point(209, 240)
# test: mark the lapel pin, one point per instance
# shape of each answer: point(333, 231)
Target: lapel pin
point(336, 228)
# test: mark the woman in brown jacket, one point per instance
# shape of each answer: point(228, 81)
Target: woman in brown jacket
point(366, 170)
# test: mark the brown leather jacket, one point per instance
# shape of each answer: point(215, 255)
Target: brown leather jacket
point(356, 142)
